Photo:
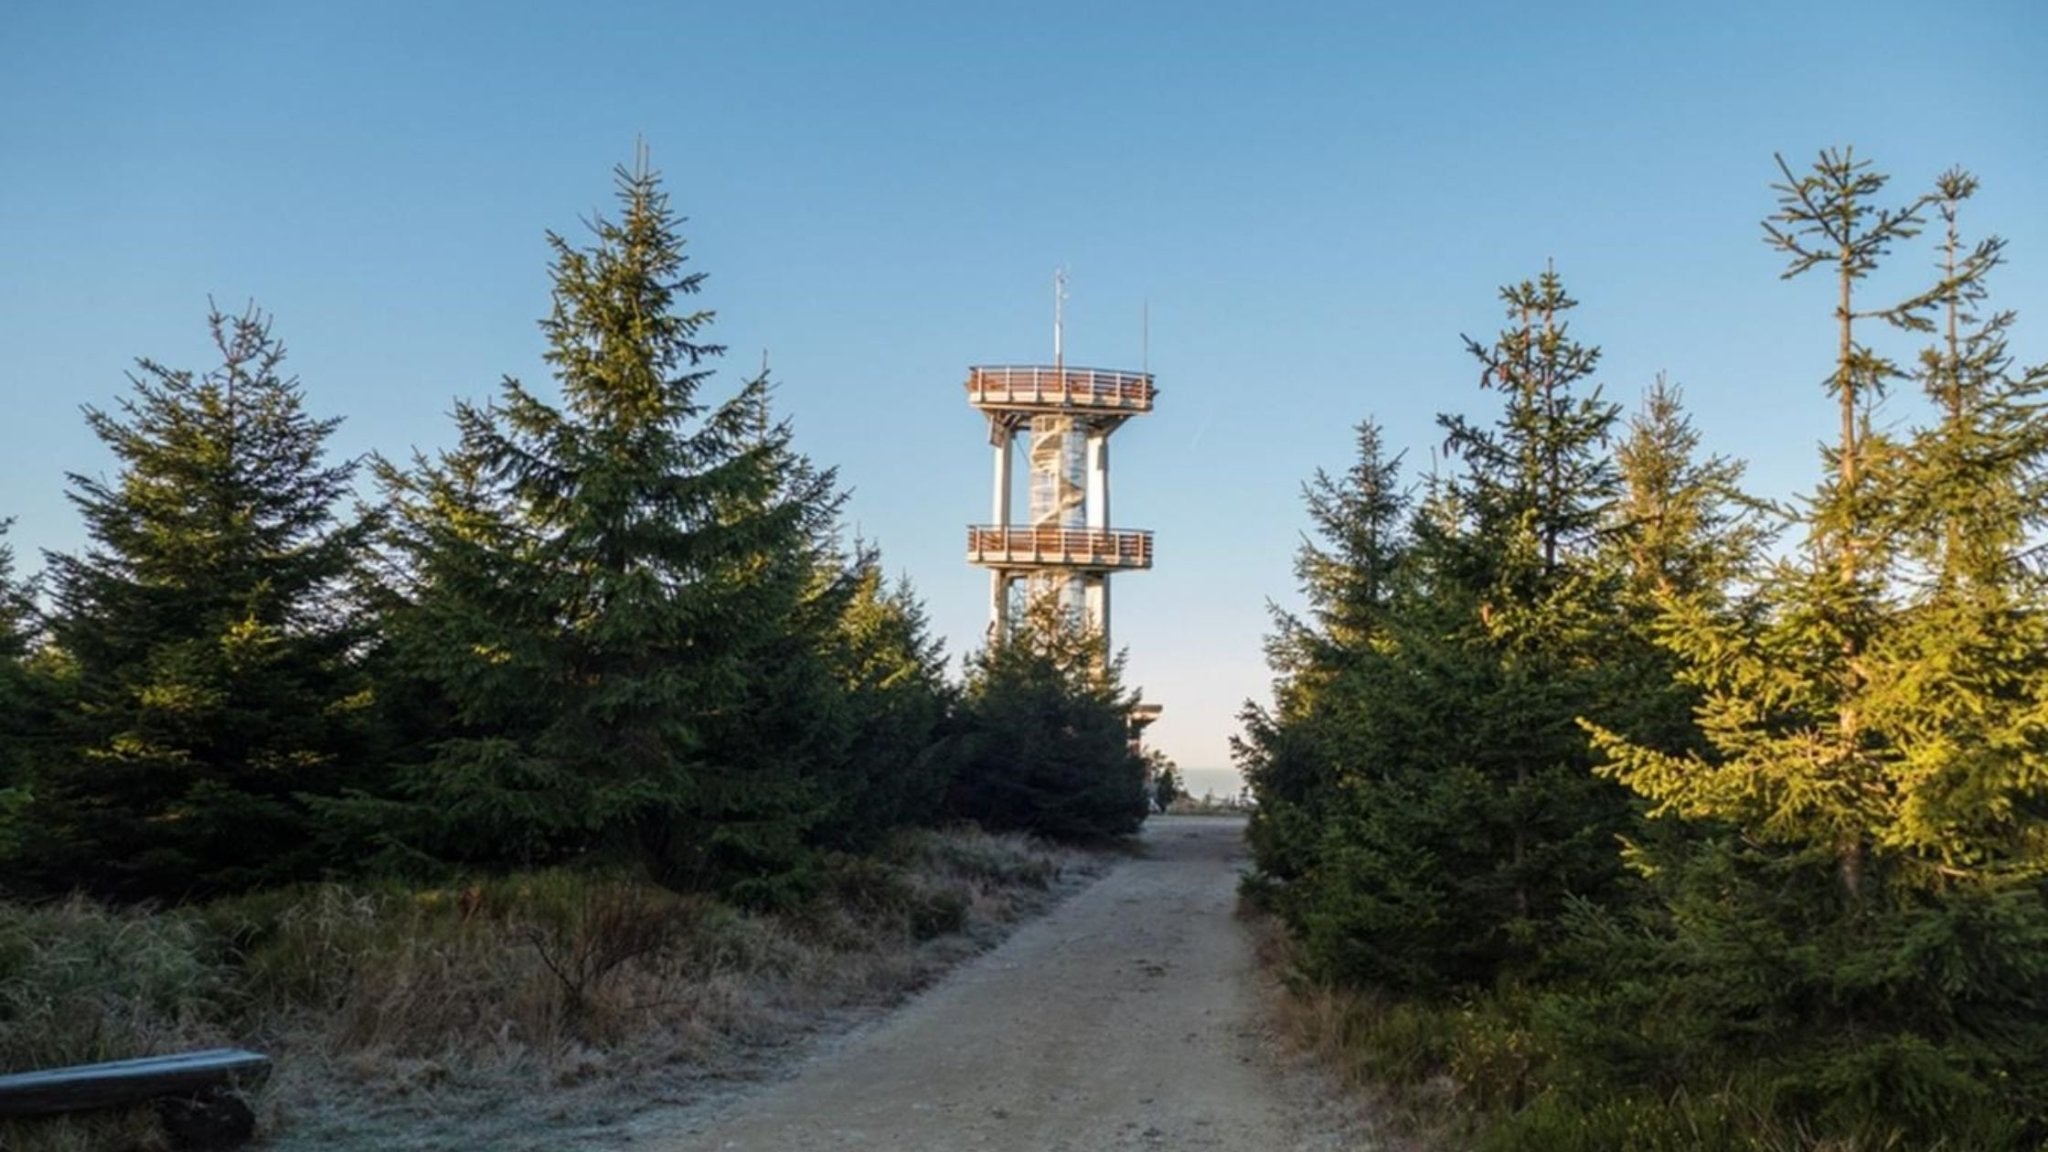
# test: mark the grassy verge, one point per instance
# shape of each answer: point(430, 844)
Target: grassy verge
point(1495, 1073)
point(1385, 1055)
point(527, 1011)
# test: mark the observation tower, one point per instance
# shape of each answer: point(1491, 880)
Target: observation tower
point(1066, 550)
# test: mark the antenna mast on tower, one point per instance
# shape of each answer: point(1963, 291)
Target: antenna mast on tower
point(1059, 316)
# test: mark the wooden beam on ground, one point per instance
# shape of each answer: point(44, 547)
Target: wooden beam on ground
point(120, 1082)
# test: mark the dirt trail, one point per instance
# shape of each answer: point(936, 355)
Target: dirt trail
point(1128, 1018)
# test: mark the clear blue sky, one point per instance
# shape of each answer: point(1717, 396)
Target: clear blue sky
point(1315, 199)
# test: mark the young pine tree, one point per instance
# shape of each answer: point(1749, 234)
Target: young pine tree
point(207, 635)
point(602, 591)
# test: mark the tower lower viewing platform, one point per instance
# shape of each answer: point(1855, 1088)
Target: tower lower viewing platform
point(1081, 549)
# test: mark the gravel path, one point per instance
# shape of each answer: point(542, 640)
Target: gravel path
point(1128, 1018)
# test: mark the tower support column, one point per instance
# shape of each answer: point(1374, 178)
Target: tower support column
point(1098, 477)
point(1095, 606)
point(1003, 454)
point(1001, 433)
point(998, 605)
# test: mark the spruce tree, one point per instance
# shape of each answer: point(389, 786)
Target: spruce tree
point(1850, 911)
point(605, 590)
point(1683, 522)
point(1449, 813)
point(17, 634)
point(17, 603)
point(1349, 579)
point(1959, 684)
point(892, 671)
point(1528, 576)
point(1683, 532)
point(1292, 754)
point(1785, 681)
point(773, 758)
point(1041, 742)
point(208, 635)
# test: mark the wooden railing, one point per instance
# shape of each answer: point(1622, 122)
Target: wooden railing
point(1079, 547)
point(1047, 387)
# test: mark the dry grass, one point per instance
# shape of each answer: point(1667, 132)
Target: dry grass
point(1385, 1056)
point(82, 983)
point(532, 1011)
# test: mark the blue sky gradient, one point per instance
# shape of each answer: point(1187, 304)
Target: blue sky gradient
point(1316, 200)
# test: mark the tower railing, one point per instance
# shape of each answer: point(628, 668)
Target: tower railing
point(1043, 386)
point(1058, 547)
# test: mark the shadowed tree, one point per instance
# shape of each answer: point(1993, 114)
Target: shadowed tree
point(1434, 811)
point(892, 671)
point(207, 636)
point(1041, 739)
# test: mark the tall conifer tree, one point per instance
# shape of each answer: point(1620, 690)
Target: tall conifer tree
point(602, 588)
point(1838, 913)
point(1294, 755)
point(1786, 682)
point(1960, 682)
point(1454, 813)
point(1536, 490)
point(208, 634)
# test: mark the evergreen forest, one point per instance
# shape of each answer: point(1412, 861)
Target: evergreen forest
point(1625, 808)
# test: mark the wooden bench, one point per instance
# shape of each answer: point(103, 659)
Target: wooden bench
point(194, 1091)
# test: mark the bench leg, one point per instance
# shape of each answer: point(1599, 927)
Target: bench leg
point(207, 1120)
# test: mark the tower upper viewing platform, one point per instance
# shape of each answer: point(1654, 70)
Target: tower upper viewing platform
point(1052, 389)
